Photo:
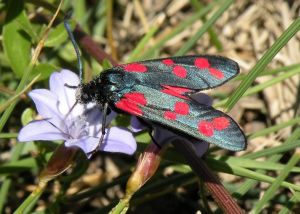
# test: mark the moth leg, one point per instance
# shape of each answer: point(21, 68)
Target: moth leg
point(150, 128)
point(104, 114)
point(153, 139)
point(105, 110)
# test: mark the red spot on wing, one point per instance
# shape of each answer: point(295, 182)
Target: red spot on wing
point(135, 67)
point(181, 108)
point(216, 73)
point(220, 123)
point(168, 62)
point(169, 115)
point(136, 97)
point(129, 107)
point(202, 63)
point(130, 103)
point(180, 71)
point(206, 128)
point(175, 91)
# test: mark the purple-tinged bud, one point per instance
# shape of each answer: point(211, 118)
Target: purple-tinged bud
point(147, 165)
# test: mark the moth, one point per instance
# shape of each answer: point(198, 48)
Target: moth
point(160, 90)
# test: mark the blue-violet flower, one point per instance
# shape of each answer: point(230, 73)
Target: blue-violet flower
point(79, 126)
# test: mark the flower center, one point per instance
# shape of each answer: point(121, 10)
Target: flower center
point(77, 128)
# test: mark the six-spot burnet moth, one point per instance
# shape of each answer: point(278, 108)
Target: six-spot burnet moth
point(159, 90)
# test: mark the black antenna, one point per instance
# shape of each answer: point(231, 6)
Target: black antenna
point(76, 48)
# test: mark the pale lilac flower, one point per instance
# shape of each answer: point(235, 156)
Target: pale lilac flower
point(80, 126)
point(163, 136)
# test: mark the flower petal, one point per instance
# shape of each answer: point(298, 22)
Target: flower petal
point(116, 140)
point(87, 144)
point(137, 125)
point(40, 130)
point(94, 119)
point(119, 140)
point(46, 105)
point(66, 95)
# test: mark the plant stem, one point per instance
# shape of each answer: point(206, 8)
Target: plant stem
point(214, 186)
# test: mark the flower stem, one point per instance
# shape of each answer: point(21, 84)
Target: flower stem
point(146, 167)
point(214, 186)
point(122, 206)
point(31, 199)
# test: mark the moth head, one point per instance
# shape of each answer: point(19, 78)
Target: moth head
point(81, 94)
point(84, 94)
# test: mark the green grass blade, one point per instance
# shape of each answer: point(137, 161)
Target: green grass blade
point(253, 164)
point(212, 34)
point(141, 45)
point(248, 184)
point(289, 205)
point(188, 22)
point(21, 85)
point(4, 190)
point(269, 194)
point(240, 171)
point(262, 63)
point(29, 202)
point(192, 41)
point(8, 135)
point(22, 164)
point(258, 88)
point(268, 72)
point(274, 150)
point(275, 128)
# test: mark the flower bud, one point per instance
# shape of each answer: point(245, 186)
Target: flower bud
point(146, 167)
point(60, 161)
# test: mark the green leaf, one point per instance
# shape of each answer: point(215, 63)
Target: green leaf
point(16, 41)
point(45, 69)
point(106, 64)
point(58, 35)
point(27, 116)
